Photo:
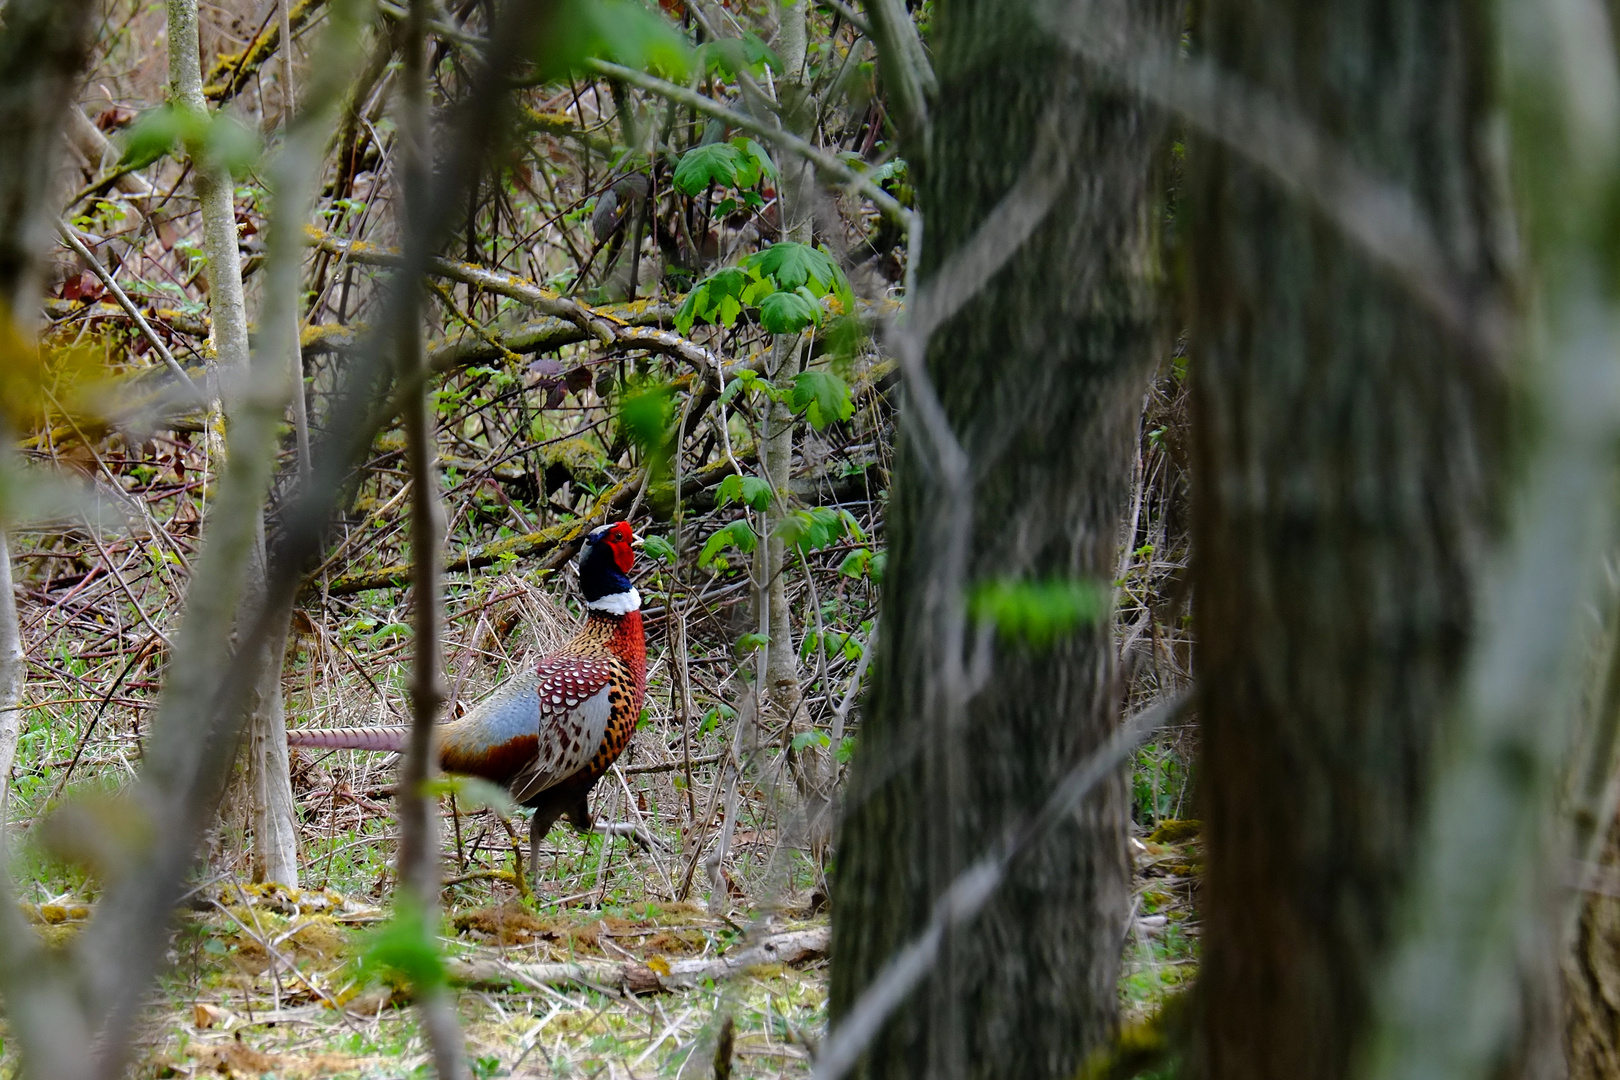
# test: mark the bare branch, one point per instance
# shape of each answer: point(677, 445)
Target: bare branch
point(907, 75)
point(112, 286)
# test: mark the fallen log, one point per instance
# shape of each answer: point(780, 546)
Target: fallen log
point(655, 974)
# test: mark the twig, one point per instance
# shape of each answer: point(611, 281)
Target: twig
point(671, 766)
point(111, 283)
point(419, 839)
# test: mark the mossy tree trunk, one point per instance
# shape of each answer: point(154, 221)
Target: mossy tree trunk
point(1348, 483)
point(1041, 375)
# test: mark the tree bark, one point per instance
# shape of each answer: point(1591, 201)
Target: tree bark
point(1591, 975)
point(268, 779)
point(1592, 972)
point(13, 673)
point(1041, 377)
point(1591, 957)
point(1348, 456)
point(275, 815)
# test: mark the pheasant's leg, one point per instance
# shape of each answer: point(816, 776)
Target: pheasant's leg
point(635, 831)
point(522, 878)
point(580, 816)
point(539, 826)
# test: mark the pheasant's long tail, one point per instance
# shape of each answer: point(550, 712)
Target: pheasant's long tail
point(350, 738)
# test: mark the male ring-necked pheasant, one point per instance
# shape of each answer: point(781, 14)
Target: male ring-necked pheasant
point(549, 734)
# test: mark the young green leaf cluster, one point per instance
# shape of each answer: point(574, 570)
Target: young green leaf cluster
point(786, 283)
point(741, 163)
point(818, 527)
point(736, 536)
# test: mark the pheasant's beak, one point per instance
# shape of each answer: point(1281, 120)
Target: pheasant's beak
point(637, 541)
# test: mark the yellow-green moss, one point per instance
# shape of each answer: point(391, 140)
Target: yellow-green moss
point(1173, 831)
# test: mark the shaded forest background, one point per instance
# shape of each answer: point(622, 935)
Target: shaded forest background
point(976, 373)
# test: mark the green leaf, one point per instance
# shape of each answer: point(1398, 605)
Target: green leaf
point(746, 489)
point(403, 948)
point(791, 265)
point(809, 530)
point(155, 133)
point(1038, 612)
point(751, 643)
point(811, 738)
point(787, 282)
point(758, 287)
point(731, 55)
point(693, 308)
point(761, 159)
point(823, 397)
point(856, 563)
point(218, 139)
point(893, 169)
point(472, 793)
point(736, 535)
point(230, 143)
point(787, 312)
point(623, 31)
point(714, 299)
point(753, 163)
point(645, 416)
point(659, 548)
point(715, 163)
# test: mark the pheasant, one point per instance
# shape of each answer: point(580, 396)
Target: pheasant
point(549, 734)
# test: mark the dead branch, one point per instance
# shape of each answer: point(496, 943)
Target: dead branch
point(648, 976)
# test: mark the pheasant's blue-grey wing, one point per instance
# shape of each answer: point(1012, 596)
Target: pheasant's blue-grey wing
point(572, 696)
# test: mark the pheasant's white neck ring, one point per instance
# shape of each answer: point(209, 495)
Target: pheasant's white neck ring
point(619, 603)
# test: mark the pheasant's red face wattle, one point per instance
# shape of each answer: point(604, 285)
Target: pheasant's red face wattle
point(618, 539)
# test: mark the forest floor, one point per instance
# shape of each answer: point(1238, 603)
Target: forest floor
point(272, 982)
